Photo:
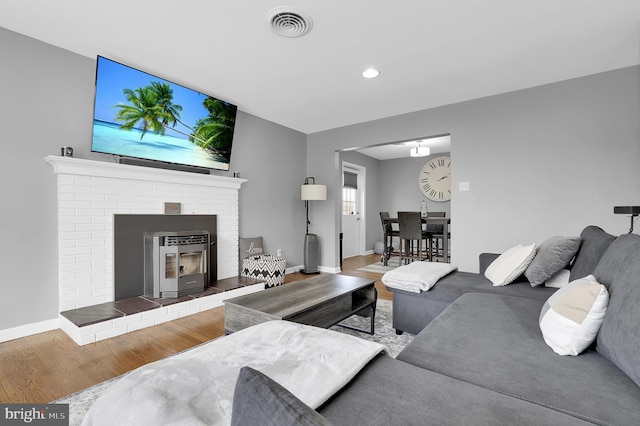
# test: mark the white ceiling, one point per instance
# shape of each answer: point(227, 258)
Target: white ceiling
point(429, 52)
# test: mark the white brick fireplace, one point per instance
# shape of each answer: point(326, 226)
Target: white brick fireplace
point(91, 192)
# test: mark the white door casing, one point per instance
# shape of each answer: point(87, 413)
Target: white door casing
point(353, 214)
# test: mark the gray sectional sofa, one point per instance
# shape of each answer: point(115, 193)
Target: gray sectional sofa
point(481, 358)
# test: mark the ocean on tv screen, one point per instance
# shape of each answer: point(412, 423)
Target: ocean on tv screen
point(109, 138)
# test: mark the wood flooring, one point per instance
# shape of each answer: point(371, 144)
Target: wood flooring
point(47, 366)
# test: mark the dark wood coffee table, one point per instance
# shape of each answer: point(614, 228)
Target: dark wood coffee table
point(322, 301)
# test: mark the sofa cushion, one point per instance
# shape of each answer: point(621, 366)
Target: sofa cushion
point(494, 342)
point(454, 285)
point(618, 339)
point(510, 264)
point(413, 311)
point(594, 243)
point(616, 258)
point(552, 256)
point(571, 317)
point(260, 400)
point(391, 392)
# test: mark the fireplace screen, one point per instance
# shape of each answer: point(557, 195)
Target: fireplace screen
point(189, 264)
point(175, 263)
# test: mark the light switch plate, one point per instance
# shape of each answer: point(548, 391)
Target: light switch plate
point(464, 186)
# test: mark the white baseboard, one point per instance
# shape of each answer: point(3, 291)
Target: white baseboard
point(29, 329)
point(292, 269)
point(368, 252)
point(329, 269)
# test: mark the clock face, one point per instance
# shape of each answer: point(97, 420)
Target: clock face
point(435, 179)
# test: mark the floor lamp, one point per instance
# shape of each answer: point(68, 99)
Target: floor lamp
point(311, 192)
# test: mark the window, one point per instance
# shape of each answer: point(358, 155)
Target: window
point(349, 193)
point(349, 200)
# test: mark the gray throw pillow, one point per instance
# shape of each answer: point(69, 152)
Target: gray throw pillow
point(258, 400)
point(594, 243)
point(553, 255)
point(250, 247)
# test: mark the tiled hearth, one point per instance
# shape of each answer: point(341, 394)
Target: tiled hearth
point(95, 314)
point(90, 193)
point(105, 320)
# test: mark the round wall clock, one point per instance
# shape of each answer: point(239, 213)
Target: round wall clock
point(435, 179)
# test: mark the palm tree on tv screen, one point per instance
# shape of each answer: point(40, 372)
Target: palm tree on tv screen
point(143, 108)
point(164, 93)
point(216, 130)
point(153, 107)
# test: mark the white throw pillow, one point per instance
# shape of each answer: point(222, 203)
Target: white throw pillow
point(571, 318)
point(559, 280)
point(510, 264)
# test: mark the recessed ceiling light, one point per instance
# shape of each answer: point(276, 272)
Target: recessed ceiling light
point(370, 73)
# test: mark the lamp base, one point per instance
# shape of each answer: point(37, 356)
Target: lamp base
point(311, 254)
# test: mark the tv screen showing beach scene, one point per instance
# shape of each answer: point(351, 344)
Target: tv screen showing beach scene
point(143, 116)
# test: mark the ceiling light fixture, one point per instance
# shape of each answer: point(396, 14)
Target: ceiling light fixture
point(370, 73)
point(420, 151)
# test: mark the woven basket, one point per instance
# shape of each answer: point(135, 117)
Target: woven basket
point(267, 268)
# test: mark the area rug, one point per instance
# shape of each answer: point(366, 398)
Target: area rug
point(379, 267)
point(384, 332)
point(80, 402)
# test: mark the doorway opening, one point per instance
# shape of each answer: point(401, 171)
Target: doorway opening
point(353, 209)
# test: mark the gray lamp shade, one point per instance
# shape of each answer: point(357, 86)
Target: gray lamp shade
point(313, 192)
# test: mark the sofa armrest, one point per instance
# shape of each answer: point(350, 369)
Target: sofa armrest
point(485, 260)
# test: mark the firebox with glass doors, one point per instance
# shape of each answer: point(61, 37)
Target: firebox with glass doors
point(176, 263)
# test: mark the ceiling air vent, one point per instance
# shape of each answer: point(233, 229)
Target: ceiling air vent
point(289, 22)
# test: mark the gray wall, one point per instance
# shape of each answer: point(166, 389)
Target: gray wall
point(541, 162)
point(270, 157)
point(47, 102)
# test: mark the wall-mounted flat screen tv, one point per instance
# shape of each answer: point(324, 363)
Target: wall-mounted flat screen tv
point(139, 115)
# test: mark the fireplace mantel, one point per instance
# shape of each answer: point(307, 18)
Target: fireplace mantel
point(82, 167)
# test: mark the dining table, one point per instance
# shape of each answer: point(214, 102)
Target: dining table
point(426, 220)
